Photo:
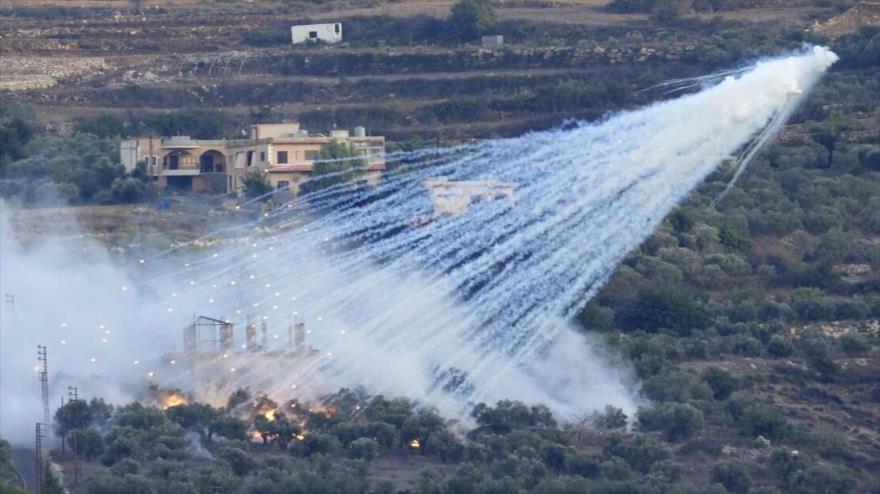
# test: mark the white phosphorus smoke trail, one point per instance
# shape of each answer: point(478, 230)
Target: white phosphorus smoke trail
point(455, 309)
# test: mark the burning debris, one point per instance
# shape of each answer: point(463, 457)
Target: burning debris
point(164, 398)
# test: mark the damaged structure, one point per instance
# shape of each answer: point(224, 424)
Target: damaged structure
point(451, 197)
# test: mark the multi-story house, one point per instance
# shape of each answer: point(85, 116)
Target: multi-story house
point(284, 153)
point(287, 154)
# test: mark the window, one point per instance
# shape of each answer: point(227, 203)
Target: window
point(313, 34)
point(283, 185)
point(337, 28)
point(312, 155)
point(281, 158)
point(262, 156)
point(250, 158)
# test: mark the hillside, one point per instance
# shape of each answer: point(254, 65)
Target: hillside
point(236, 57)
point(753, 324)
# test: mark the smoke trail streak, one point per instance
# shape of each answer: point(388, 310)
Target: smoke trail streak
point(456, 309)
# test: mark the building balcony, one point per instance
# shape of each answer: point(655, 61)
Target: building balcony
point(180, 172)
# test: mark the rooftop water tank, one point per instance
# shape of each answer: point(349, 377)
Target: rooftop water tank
point(360, 131)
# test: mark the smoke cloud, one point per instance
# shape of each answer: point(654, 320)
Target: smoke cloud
point(448, 309)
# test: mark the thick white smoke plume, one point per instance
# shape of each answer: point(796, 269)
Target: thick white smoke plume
point(446, 309)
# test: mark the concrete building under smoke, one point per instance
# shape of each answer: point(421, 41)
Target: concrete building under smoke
point(456, 196)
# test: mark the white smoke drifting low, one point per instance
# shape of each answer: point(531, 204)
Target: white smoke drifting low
point(447, 310)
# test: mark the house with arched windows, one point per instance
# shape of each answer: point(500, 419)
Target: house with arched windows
point(283, 152)
point(196, 165)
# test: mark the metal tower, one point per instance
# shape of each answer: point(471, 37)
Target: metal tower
point(73, 395)
point(39, 462)
point(44, 382)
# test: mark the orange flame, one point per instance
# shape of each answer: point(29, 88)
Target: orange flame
point(172, 400)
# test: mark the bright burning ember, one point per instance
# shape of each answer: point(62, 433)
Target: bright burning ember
point(173, 399)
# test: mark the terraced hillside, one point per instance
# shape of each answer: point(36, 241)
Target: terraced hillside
point(399, 70)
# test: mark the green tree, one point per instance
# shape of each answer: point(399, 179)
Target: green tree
point(508, 416)
point(722, 382)
point(75, 414)
point(733, 477)
point(318, 443)
point(255, 185)
point(670, 307)
point(678, 421)
point(365, 448)
point(420, 427)
point(669, 11)
point(14, 134)
point(338, 164)
point(87, 442)
point(471, 18)
point(192, 416)
point(128, 190)
point(106, 125)
point(227, 426)
point(611, 418)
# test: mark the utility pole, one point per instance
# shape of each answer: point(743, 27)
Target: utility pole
point(73, 395)
point(44, 382)
point(39, 464)
point(62, 437)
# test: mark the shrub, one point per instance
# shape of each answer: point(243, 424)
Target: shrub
point(239, 460)
point(732, 476)
point(106, 125)
point(472, 18)
point(444, 445)
point(118, 450)
point(758, 420)
point(581, 465)
point(677, 421)
point(670, 307)
point(255, 185)
point(722, 382)
point(595, 317)
point(780, 346)
point(511, 415)
point(612, 418)
point(365, 448)
point(421, 426)
point(128, 190)
point(639, 452)
point(125, 467)
point(854, 344)
point(88, 442)
point(318, 443)
point(676, 386)
point(615, 469)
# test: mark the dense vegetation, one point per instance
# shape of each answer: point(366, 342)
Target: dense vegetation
point(751, 324)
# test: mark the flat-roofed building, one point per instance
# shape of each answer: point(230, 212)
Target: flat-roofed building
point(314, 33)
point(284, 152)
point(197, 165)
point(450, 197)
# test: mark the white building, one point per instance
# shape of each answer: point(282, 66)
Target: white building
point(312, 33)
point(493, 40)
point(451, 197)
